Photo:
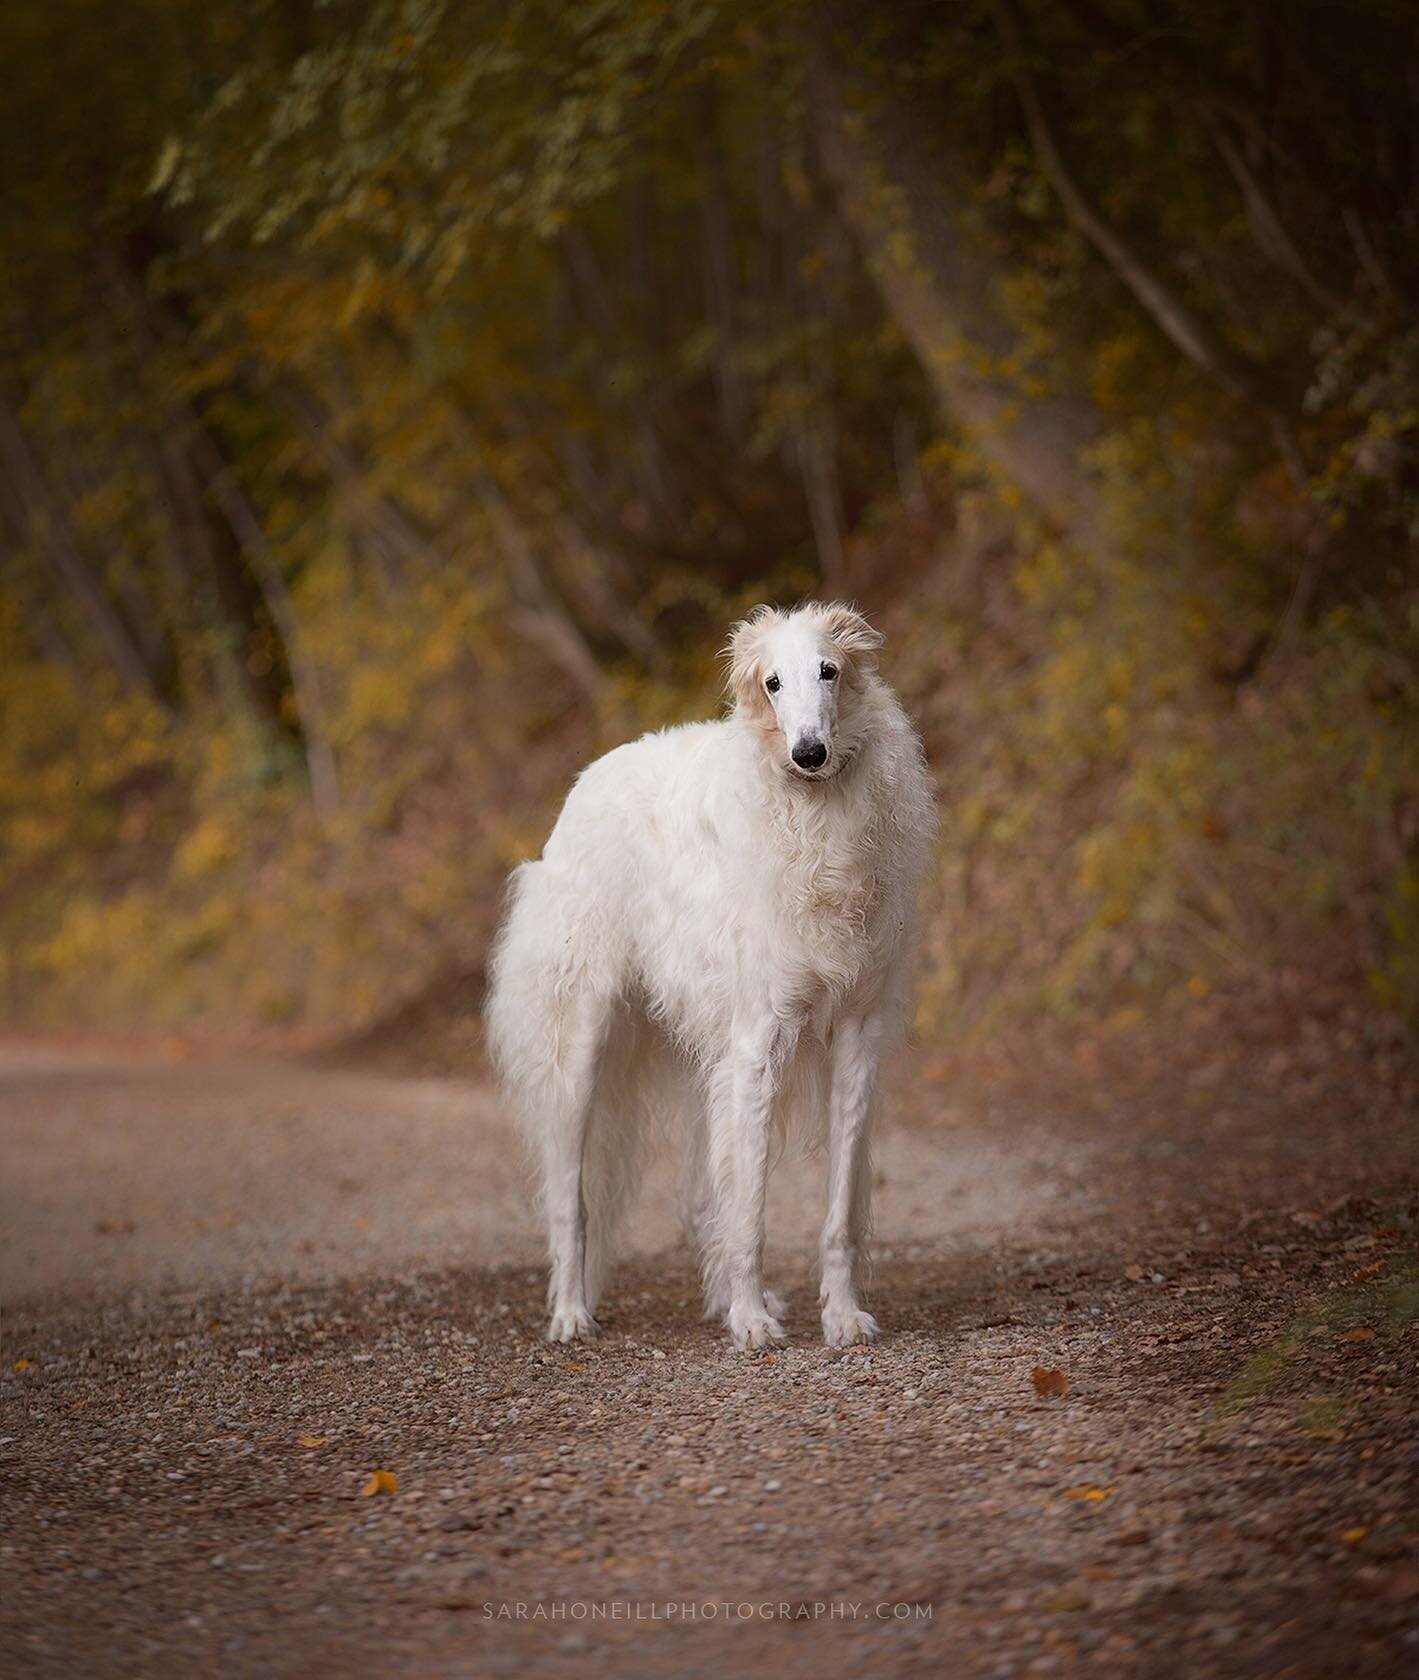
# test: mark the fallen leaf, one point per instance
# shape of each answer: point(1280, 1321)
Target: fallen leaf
point(314, 1441)
point(1353, 1536)
point(382, 1481)
point(1367, 1272)
point(1134, 1274)
point(115, 1227)
point(1066, 1602)
point(1133, 1537)
point(1092, 1495)
point(1358, 1336)
point(1049, 1382)
point(23, 1365)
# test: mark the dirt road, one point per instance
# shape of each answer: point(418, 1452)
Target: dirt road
point(234, 1292)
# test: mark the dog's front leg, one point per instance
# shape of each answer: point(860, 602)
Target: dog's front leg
point(856, 1050)
point(741, 1119)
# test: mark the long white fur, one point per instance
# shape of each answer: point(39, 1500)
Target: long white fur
point(718, 940)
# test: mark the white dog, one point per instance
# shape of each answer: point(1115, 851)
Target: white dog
point(719, 932)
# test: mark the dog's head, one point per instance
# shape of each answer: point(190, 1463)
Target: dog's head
point(795, 675)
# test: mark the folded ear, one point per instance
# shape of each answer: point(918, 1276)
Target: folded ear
point(850, 632)
point(743, 655)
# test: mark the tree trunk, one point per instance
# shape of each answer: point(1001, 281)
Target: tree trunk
point(1186, 329)
point(940, 281)
point(69, 566)
point(305, 679)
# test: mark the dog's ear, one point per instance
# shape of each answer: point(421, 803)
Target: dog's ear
point(743, 656)
point(851, 634)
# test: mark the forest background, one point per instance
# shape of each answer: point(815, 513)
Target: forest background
point(398, 399)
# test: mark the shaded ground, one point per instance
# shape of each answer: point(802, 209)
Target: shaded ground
point(235, 1291)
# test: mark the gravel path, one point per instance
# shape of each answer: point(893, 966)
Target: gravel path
point(236, 1291)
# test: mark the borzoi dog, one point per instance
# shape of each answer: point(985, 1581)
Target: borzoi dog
point(718, 933)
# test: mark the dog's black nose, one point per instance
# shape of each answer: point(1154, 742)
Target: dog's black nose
point(810, 755)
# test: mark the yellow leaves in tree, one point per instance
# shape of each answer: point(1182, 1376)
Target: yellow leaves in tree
point(382, 1481)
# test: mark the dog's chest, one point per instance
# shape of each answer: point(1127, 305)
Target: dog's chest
point(831, 898)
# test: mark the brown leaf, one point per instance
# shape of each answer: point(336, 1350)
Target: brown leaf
point(313, 1441)
point(115, 1227)
point(1089, 1494)
point(382, 1481)
point(1358, 1336)
point(1049, 1382)
point(1353, 1536)
point(1134, 1274)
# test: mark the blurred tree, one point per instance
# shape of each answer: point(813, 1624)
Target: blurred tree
point(339, 340)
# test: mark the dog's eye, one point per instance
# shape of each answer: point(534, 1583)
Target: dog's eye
point(772, 684)
point(827, 672)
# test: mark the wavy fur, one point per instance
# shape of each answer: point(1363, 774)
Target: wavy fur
point(717, 942)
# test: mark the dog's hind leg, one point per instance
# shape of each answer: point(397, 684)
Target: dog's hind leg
point(570, 1096)
point(628, 1090)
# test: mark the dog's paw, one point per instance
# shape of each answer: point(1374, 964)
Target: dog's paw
point(750, 1329)
point(846, 1326)
point(717, 1305)
point(571, 1324)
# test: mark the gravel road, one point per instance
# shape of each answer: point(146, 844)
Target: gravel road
point(235, 1291)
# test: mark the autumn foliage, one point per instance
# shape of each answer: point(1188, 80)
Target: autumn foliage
point(397, 399)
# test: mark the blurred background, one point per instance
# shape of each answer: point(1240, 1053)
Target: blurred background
point(398, 400)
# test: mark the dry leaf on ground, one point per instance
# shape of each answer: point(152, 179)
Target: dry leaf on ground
point(314, 1441)
point(1091, 1495)
point(1049, 1382)
point(382, 1481)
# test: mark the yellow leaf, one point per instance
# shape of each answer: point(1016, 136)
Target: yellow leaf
point(314, 1441)
point(1092, 1495)
point(1353, 1536)
point(24, 1364)
point(382, 1481)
